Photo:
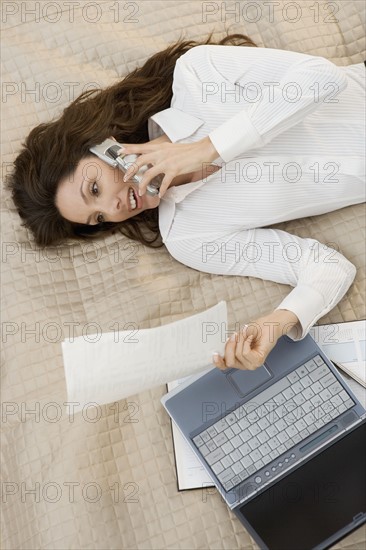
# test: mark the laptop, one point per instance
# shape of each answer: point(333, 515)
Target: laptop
point(284, 445)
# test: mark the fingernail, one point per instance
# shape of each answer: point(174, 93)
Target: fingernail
point(233, 337)
point(140, 193)
point(215, 357)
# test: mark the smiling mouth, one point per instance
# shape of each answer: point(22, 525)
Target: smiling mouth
point(134, 201)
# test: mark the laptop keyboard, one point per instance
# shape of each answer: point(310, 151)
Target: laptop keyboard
point(254, 434)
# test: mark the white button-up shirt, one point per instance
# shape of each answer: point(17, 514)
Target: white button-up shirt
point(290, 132)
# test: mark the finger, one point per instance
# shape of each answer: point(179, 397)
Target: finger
point(148, 176)
point(131, 170)
point(164, 186)
point(218, 361)
point(230, 349)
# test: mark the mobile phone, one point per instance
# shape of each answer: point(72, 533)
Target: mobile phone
point(108, 151)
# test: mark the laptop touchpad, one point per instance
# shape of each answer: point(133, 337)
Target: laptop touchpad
point(245, 381)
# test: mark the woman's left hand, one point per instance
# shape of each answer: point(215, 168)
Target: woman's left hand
point(249, 348)
point(170, 159)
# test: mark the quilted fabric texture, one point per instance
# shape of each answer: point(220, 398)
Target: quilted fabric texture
point(109, 481)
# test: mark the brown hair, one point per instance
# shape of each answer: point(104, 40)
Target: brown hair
point(121, 110)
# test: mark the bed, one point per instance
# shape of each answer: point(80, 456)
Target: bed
point(108, 480)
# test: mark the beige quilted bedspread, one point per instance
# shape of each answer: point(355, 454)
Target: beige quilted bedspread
point(109, 481)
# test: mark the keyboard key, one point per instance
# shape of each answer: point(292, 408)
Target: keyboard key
point(272, 431)
point(274, 442)
point(263, 437)
point(231, 418)
point(327, 380)
point(291, 431)
point(199, 441)
point(211, 430)
point(217, 468)
point(227, 447)
point(335, 388)
point(204, 450)
point(238, 468)
point(251, 469)
point(336, 400)
point(306, 381)
point(301, 371)
point(235, 455)
point(308, 393)
point(221, 425)
point(226, 475)
point(293, 377)
point(255, 429)
point(236, 441)
point(246, 461)
point(283, 436)
point(253, 417)
point(311, 365)
point(266, 459)
point(245, 449)
point(229, 433)
point(227, 461)
point(220, 439)
point(297, 387)
point(281, 449)
point(279, 399)
point(319, 373)
point(309, 419)
point(299, 398)
point(300, 425)
point(263, 423)
point(265, 449)
point(236, 428)
point(280, 425)
point(211, 445)
point(255, 455)
point(317, 387)
point(205, 436)
point(288, 393)
point(254, 443)
point(325, 394)
point(343, 395)
point(318, 360)
point(243, 423)
point(213, 457)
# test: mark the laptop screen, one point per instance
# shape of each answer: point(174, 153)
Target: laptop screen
point(315, 501)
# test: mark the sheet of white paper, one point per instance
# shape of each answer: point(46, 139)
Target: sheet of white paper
point(120, 364)
point(345, 344)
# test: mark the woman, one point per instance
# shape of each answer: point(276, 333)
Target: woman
point(242, 137)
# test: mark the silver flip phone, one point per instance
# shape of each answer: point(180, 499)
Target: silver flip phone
point(107, 151)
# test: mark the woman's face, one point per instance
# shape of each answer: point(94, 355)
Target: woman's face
point(95, 192)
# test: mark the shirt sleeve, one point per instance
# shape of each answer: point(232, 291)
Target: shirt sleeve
point(320, 275)
point(276, 89)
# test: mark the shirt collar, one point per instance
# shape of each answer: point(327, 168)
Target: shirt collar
point(177, 125)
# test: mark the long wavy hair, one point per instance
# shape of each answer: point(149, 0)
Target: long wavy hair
point(121, 110)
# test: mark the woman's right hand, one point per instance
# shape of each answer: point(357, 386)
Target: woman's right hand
point(170, 159)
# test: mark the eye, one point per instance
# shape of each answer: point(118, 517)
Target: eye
point(95, 192)
point(92, 189)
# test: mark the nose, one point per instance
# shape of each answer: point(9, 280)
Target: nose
point(114, 207)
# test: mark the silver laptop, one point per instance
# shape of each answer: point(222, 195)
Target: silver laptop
point(284, 445)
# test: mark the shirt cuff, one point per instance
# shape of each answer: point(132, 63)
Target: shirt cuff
point(246, 137)
point(308, 304)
